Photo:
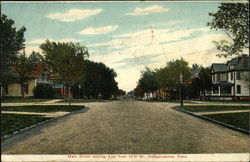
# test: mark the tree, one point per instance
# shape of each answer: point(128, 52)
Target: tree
point(147, 81)
point(99, 79)
point(195, 70)
point(65, 61)
point(203, 82)
point(169, 76)
point(232, 19)
point(12, 41)
point(139, 92)
point(35, 57)
point(23, 69)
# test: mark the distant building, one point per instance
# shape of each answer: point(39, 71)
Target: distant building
point(228, 79)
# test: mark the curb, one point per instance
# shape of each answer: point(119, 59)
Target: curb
point(212, 120)
point(38, 124)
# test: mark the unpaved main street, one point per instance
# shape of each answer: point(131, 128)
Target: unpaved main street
point(122, 127)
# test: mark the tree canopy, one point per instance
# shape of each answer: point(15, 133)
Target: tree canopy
point(99, 79)
point(12, 41)
point(232, 19)
point(23, 69)
point(65, 60)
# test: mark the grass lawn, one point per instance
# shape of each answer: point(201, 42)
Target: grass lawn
point(84, 100)
point(42, 108)
point(18, 100)
point(200, 108)
point(13, 122)
point(240, 120)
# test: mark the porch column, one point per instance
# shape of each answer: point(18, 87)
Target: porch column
point(219, 90)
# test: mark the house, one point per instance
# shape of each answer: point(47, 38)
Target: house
point(39, 75)
point(228, 79)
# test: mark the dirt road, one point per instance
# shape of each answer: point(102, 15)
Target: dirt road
point(122, 127)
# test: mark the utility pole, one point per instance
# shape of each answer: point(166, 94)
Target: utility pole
point(180, 90)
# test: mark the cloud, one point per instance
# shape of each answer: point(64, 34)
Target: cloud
point(100, 30)
point(40, 41)
point(148, 10)
point(29, 49)
point(129, 61)
point(74, 14)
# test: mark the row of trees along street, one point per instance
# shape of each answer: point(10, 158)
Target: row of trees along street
point(66, 63)
point(168, 80)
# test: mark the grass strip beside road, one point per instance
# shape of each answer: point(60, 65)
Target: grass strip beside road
point(14, 122)
point(239, 120)
point(84, 100)
point(22, 100)
point(204, 108)
point(42, 108)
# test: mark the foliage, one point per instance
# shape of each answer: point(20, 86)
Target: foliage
point(232, 19)
point(147, 81)
point(139, 92)
point(195, 70)
point(203, 81)
point(98, 79)
point(23, 69)
point(65, 60)
point(44, 91)
point(169, 76)
point(35, 57)
point(12, 41)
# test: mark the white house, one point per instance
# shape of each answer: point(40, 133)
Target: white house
point(228, 79)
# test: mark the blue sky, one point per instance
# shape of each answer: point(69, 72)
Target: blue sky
point(126, 36)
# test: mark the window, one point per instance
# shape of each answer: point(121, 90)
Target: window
point(5, 89)
point(25, 89)
point(213, 77)
point(238, 89)
point(232, 76)
point(238, 75)
point(217, 77)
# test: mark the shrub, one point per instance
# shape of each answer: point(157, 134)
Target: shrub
point(44, 91)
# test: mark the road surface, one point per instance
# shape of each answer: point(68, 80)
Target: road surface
point(127, 127)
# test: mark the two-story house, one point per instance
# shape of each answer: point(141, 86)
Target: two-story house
point(228, 79)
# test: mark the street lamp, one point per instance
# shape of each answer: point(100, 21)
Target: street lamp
point(180, 88)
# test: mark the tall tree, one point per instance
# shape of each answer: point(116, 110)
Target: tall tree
point(203, 82)
point(147, 81)
point(65, 61)
point(12, 41)
point(99, 79)
point(169, 76)
point(232, 19)
point(23, 69)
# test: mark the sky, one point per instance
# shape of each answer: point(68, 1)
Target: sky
point(126, 36)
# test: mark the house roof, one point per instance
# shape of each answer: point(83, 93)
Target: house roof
point(39, 68)
point(219, 67)
point(239, 63)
